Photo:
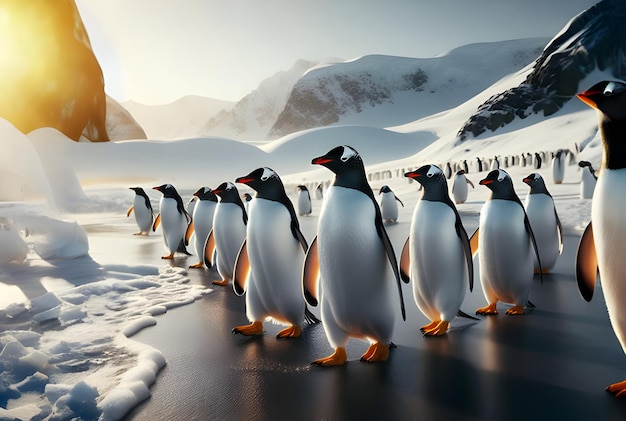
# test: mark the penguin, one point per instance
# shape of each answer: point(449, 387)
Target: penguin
point(304, 201)
point(201, 222)
point(459, 187)
point(537, 161)
point(495, 164)
point(506, 162)
point(270, 276)
point(588, 180)
point(448, 170)
point(544, 221)
point(228, 233)
point(319, 191)
point(604, 239)
point(558, 167)
point(351, 256)
point(144, 214)
point(388, 205)
point(246, 200)
point(505, 243)
point(437, 255)
point(465, 167)
point(522, 160)
point(174, 218)
point(479, 165)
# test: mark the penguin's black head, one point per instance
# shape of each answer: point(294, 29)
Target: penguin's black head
point(227, 192)
point(500, 183)
point(609, 97)
point(138, 190)
point(384, 189)
point(205, 193)
point(587, 164)
point(265, 182)
point(168, 190)
point(460, 172)
point(536, 183)
point(302, 188)
point(428, 176)
point(340, 159)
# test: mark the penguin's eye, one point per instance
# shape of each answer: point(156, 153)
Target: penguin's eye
point(430, 174)
point(344, 158)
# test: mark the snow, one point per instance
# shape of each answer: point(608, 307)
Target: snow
point(66, 347)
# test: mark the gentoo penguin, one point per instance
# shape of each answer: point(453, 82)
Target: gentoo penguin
point(448, 170)
point(588, 180)
point(229, 231)
point(144, 215)
point(537, 161)
point(437, 254)
point(271, 276)
point(319, 191)
point(246, 200)
point(495, 164)
point(505, 244)
point(602, 244)
point(174, 219)
point(464, 166)
point(459, 187)
point(522, 160)
point(304, 201)
point(388, 205)
point(479, 164)
point(202, 221)
point(351, 256)
point(558, 167)
point(544, 222)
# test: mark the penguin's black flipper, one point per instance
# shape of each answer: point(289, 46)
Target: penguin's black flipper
point(391, 255)
point(182, 248)
point(586, 264)
point(467, 249)
point(130, 210)
point(209, 249)
point(529, 230)
point(309, 317)
point(398, 200)
point(465, 315)
point(560, 230)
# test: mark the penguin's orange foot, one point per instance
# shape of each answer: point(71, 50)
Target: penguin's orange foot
point(618, 389)
point(168, 257)
point(376, 352)
point(429, 326)
point(515, 310)
point(489, 310)
point(196, 265)
point(339, 357)
point(290, 332)
point(254, 328)
point(440, 329)
point(222, 283)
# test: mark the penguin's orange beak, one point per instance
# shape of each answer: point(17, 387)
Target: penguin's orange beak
point(321, 160)
point(484, 182)
point(526, 180)
point(158, 188)
point(412, 174)
point(586, 98)
point(244, 180)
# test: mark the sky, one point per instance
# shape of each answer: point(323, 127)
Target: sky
point(156, 51)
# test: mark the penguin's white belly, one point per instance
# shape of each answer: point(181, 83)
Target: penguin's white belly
point(389, 207)
point(505, 252)
point(355, 282)
point(203, 214)
point(304, 203)
point(438, 265)
point(540, 211)
point(609, 231)
point(587, 184)
point(459, 189)
point(558, 170)
point(229, 232)
point(173, 223)
point(143, 215)
point(276, 260)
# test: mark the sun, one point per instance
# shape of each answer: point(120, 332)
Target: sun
point(49, 76)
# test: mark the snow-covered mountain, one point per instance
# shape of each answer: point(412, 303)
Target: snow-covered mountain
point(360, 91)
point(593, 40)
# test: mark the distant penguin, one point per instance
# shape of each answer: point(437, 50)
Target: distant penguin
point(246, 200)
point(506, 245)
point(506, 162)
point(437, 255)
point(388, 205)
point(174, 219)
point(352, 256)
point(144, 214)
point(558, 167)
point(464, 166)
point(588, 180)
point(495, 164)
point(459, 187)
point(202, 222)
point(544, 222)
point(319, 191)
point(448, 170)
point(479, 165)
point(228, 233)
point(304, 201)
point(602, 244)
point(271, 276)
point(522, 160)
point(537, 161)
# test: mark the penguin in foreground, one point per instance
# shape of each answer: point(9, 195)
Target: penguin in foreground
point(144, 214)
point(505, 244)
point(174, 219)
point(304, 201)
point(352, 256)
point(544, 221)
point(459, 187)
point(228, 233)
point(388, 205)
point(270, 276)
point(588, 180)
point(202, 221)
point(437, 255)
point(603, 241)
